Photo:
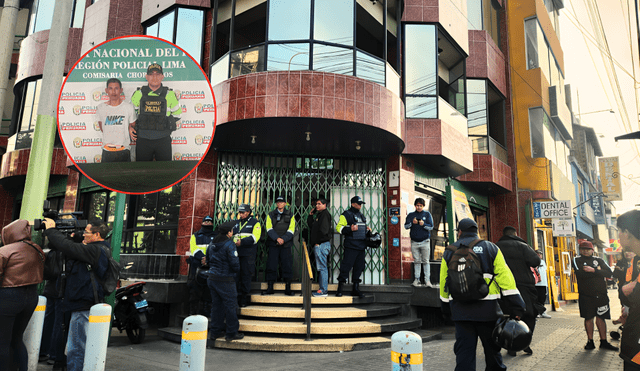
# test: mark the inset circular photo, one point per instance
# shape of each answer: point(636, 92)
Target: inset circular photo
point(136, 114)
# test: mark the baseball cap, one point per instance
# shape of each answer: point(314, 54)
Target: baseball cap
point(358, 200)
point(154, 67)
point(585, 245)
point(243, 208)
point(225, 227)
point(207, 219)
point(280, 199)
point(467, 224)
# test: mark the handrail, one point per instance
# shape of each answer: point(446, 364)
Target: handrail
point(306, 291)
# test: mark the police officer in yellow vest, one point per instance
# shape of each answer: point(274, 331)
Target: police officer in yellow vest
point(280, 226)
point(246, 234)
point(158, 112)
point(197, 280)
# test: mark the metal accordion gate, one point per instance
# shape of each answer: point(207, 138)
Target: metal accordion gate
point(257, 179)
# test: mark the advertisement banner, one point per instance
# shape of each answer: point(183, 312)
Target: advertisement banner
point(461, 205)
point(563, 228)
point(598, 207)
point(610, 178)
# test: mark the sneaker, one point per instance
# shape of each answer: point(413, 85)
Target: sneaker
point(416, 283)
point(606, 345)
point(319, 294)
point(528, 350)
point(545, 315)
point(236, 336)
point(590, 345)
point(428, 284)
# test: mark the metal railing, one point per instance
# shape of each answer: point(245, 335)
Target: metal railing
point(306, 290)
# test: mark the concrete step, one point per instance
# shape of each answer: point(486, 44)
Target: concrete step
point(296, 286)
point(299, 344)
point(280, 298)
point(373, 326)
point(366, 311)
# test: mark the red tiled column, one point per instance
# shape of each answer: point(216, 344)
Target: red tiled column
point(6, 207)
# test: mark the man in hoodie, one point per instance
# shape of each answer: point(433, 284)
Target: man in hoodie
point(320, 237)
point(420, 224)
point(281, 226)
point(521, 258)
point(223, 262)
point(352, 225)
point(197, 282)
point(246, 234)
point(92, 255)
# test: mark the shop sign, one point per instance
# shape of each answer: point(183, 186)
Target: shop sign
point(552, 209)
point(461, 205)
point(598, 207)
point(610, 178)
point(563, 228)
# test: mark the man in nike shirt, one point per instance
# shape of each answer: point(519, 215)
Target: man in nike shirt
point(116, 119)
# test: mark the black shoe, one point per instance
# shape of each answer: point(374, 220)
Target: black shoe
point(590, 345)
point(287, 289)
point(59, 366)
point(356, 290)
point(512, 353)
point(243, 301)
point(219, 334)
point(606, 345)
point(528, 350)
point(340, 286)
point(269, 289)
point(43, 358)
point(236, 336)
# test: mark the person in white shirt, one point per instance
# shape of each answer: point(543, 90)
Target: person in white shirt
point(116, 119)
point(541, 287)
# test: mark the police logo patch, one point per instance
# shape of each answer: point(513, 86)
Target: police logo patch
point(595, 263)
point(235, 253)
point(477, 249)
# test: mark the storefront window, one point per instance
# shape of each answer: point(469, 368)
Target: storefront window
point(182, 26)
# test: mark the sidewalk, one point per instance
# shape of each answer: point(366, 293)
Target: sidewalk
point(557, 345)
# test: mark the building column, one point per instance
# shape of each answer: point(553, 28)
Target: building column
point(7, 28)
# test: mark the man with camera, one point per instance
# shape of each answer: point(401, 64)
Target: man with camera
point(79, 292)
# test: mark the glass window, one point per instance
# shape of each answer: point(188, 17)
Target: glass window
point(392, 33)
point(421, 107)
point(369, 27)
point(536, 117)
point(250, 25)
point(78, 14)
point(190, 20)
point(223, 26)
point(30, 106)
point(483, 15)
point(165, 26)
point(333, 21)
point(420, 71)
point(247, 61)
point(486, 120)
point(370, 68)
point(550, 141)
point(474, 14)
point(289, 19)
point(477, 97)
point(41, 15)
point(531, 36)
point(333, 59)
point(288, 57)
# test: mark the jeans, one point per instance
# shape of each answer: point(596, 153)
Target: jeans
point(77, 340)
point(16, 307)
point(223, 306)
point(47, 328)
point(467, 334)
point(322, 252)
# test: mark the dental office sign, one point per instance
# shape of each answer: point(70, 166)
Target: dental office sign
point(552, 210)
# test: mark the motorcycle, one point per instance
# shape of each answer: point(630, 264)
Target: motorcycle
point(131, 310)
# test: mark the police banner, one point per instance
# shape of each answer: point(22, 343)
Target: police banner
point(127, 60)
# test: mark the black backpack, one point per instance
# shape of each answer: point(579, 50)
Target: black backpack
point(110, 281)
point(465, 281)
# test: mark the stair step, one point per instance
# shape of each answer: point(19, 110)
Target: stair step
point(299, 344)
point(374, 326)
point(298, 286)
point(279, 298)
point(368, 311)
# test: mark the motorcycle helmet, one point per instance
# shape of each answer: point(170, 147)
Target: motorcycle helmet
point(512, 334)
point(374, 240)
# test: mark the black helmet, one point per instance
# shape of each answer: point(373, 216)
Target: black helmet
point(512, 334)
point(374, 240)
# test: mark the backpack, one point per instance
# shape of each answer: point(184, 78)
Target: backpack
point(536, 275)
point(111, 277)
point(465, 281)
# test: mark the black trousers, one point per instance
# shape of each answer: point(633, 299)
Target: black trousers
point(542, 296)
point(351, 258)
point(247, 270)
point(223, 307)
point(116, 156)
point(148, 149)
point(467, 334)
point(282, 255)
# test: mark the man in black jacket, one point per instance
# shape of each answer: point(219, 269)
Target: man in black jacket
point(521, 258)
point(320, 239)
point(79, 293)
point(353, 225)
point(281, 226)
point(592, 288)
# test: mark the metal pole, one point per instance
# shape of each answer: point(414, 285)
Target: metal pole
point(406, 351)
point(8, 29)
point(37, 183)
point(116, 236)
point(95, 353)
point(450, 211)
point(306, 292)
point(194, 343)
point(33, 333)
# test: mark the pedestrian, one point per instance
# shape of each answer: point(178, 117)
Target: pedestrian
point(593, 299)
point(197, 275)
point(223, 262)
point(281, 227)
point(158, 112)
point(520, 258)
point(352, 225)
point(629, 233)
point(116, 119)
point(79, 292)
point(246, 234)
point(542, 286)
point(477, 319)
point(320, 239)
point(420, 224)
point(21, 270)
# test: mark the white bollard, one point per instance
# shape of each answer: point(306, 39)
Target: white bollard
point(97, 337)
point(406, 351)
point(193, 347)
point(33, 333)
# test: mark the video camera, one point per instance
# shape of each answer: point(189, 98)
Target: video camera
point(65, 226)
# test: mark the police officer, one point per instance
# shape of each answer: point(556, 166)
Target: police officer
point(158, 111)
point(281, 226)
point(197, 283)
point(353, 226)
point(246, 234)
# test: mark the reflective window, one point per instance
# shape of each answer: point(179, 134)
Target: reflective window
point(486, 119)
point(333, 21)
point(332, 59)
point(420, 71)
point(183, 27)
point(392, 33)
point(289, 19)
point(539, 124)
point(370, 68)
point(288, 57)
point(30, 106)
point(247, 61)
point(477, 118)
point(223, 27)
point(483, 15)
point(539, 54)
point(250, 24)
point(421, 107)
point(369, 27)
point(531, 36)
